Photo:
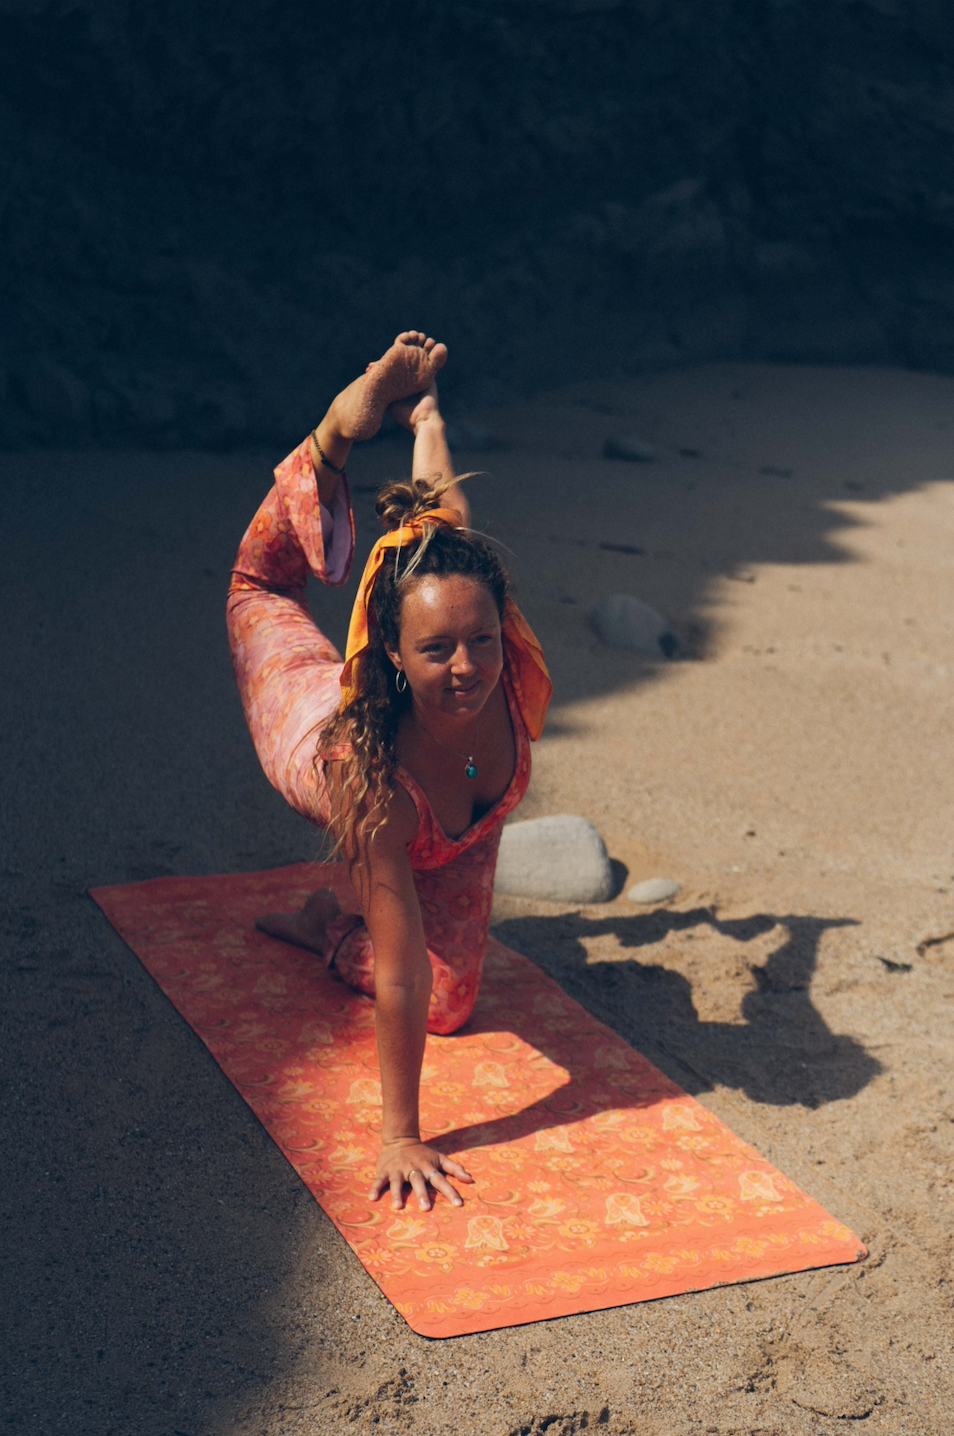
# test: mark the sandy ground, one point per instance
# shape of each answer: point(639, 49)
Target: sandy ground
point(793, 768)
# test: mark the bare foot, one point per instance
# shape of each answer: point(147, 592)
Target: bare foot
point(306, 928)
point(408, 367)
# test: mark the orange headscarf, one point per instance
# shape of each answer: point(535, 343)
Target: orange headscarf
point(523, 656)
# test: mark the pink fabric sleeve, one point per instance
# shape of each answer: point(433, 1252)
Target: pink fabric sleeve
point(287, 671)
point(337, 537)
point(287, 536)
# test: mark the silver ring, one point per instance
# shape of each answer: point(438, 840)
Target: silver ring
point(431, 1175)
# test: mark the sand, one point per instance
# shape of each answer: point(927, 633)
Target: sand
point(792, 768)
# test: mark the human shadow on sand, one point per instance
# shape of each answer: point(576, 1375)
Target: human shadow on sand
point(781, 1052)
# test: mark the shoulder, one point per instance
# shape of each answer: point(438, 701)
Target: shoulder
point(373, 836)
point(401, 823)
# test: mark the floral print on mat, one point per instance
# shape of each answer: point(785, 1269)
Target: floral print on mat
point(599, 1182)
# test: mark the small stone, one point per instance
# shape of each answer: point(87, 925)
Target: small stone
point(462, 434)
point(559, 859)
point(653, 890)
point(624, 622)
point(630, 448)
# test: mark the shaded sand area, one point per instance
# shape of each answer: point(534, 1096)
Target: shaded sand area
point(792, 768)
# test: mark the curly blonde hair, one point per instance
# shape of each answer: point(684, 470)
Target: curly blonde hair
point(362, 735)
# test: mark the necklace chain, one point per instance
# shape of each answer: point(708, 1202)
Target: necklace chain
point(471, 769)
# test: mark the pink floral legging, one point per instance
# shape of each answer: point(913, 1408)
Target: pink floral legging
point(287, 673)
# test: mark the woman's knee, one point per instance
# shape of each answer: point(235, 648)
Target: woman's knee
point(451, 1003)
point(442, 1024)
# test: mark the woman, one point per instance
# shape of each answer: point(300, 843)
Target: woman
point(412, 751)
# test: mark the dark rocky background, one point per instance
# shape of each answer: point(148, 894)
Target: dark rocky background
point(212, 213)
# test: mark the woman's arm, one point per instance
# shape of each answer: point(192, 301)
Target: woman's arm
point(384, 883)
point(432, 457)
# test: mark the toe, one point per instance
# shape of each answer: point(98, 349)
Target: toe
point(438, 356)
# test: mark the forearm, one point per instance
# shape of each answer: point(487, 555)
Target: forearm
point(432, 458)
point(403, 977)
point(401, 1027)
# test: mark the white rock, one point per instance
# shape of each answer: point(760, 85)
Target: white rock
point(629, 447)
point(653, 890)
point(624, 622)
point(559, 859)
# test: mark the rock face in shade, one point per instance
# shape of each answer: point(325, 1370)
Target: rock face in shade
point(625, 622)
point(210, 228)
point(558, 859)
point(653, 890)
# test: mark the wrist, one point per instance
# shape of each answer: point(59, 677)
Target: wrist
point(408, 1138)
point(432, 422)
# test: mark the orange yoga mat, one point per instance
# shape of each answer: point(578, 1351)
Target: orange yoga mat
point(598, 1181)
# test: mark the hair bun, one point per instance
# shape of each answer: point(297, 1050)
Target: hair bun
point(402, 500)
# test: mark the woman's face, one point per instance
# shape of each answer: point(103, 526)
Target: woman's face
point(450, 646)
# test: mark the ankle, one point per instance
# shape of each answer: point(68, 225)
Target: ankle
point(333, 426)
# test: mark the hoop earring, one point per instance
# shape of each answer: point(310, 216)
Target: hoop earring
point(401, 687)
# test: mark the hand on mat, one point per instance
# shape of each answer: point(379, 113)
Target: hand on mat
point(416, 1165)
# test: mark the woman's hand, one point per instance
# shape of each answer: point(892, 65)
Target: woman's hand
point(406, 1161)
point(432, 458)
point(418, 409)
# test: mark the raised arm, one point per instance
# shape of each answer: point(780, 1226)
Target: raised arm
point(384, 883)
point(432, 458)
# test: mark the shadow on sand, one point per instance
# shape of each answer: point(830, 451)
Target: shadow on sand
point(781, 1052)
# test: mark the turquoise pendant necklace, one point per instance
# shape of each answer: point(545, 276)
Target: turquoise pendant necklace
point(470, 770)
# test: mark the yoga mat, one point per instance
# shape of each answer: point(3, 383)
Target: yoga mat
point(598, 1181)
